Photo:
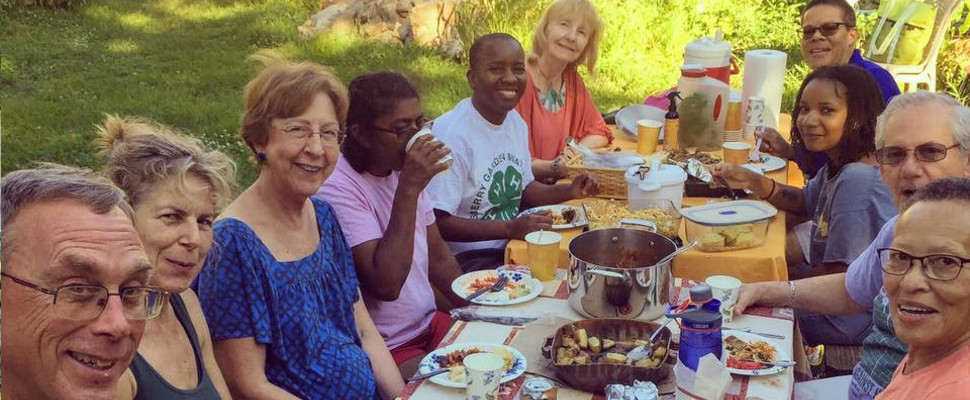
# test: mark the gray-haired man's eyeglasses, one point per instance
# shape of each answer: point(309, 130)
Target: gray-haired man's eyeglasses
point(86, 302)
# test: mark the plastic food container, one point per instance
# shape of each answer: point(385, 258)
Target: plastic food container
point(730, 225)
point(661, 213)
point(662, 181)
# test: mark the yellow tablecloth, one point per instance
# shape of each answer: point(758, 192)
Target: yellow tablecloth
point(763, 263)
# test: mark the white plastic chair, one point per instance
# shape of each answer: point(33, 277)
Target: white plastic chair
point(909, 77)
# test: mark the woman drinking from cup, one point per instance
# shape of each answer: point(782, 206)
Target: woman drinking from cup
point(280, 289)
point(929, 293)
point(556, 103)
point(378, 192)
point(174, 187)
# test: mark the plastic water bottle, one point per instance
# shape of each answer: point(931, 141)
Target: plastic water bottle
point(700, 327)
point(700, 334)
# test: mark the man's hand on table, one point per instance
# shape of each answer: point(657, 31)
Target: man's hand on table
point(584, 185)
point(772, 143)
point(519, 227)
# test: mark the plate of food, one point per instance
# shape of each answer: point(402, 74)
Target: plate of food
point(520, 288)
point(451, 357)
point(768, 163)
point(563, 216)
point(746, 354)
point(680, 157)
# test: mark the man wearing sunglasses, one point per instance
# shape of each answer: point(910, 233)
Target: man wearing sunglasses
point(828, 35)
point(921, 137)
point(76, 285)
point(828, 38)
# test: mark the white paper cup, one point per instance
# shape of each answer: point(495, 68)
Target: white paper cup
point(483, 373)
point(447, 159)
point(736, 152)
point(725, 288)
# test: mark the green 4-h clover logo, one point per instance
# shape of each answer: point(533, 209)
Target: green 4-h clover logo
point(505, 194)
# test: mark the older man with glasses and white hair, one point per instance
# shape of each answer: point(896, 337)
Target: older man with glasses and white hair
point(76, 285)
point(921, 137)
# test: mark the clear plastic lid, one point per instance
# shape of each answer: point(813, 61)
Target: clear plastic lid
point(730, 213)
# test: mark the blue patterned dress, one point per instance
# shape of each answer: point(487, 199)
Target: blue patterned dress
point(301, 310)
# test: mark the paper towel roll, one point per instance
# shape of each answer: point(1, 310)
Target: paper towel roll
point(764, 76)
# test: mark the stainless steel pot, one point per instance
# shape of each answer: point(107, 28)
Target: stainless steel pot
point(598, 289)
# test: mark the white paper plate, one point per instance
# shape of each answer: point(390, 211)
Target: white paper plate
point(780, 354)
point(771, 163)
point(461, 287)
point(430, 362)
point(628, 116)
point(580, 220)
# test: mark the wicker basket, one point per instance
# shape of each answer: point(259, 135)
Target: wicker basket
point(612, 180)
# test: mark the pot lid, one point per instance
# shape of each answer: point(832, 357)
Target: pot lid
point(661, 174)
point(730, 213)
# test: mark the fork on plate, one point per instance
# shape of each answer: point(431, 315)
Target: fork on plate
point(503, 280)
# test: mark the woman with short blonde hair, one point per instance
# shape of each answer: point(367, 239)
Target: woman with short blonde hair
point(556, 103)
point(175, 187)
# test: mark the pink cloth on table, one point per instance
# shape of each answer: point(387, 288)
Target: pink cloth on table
point(577, 118)
point(660, 100)
point(363, 204)
point(948, 379)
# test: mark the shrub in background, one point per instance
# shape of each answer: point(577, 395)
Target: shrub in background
point(49, 4)
point(643, 45)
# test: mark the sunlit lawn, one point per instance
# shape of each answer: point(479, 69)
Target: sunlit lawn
point(183, 62)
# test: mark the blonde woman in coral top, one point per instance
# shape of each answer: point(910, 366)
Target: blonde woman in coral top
point(556, 103)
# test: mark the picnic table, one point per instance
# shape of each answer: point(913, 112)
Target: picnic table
point(529, 340)
point(762, 263)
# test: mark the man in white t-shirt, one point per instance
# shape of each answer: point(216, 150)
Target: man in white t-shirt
point(477, 200)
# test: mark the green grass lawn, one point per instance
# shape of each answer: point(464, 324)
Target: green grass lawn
point(179, 62)
point(183, 62)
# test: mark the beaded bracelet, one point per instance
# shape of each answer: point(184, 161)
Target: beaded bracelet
point(791, 295)
point(556, 169)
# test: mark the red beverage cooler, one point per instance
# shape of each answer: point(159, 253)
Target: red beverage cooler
point(714, 55)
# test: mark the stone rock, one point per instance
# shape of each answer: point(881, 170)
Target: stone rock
point(429, 23)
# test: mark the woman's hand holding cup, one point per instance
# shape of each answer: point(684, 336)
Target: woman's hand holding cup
point(425, 157)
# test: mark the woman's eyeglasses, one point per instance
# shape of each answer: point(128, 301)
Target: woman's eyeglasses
point(86, 302)
point(939, 267)
point(827, 29)
point(329, 137)
point(404, 133)
point(926, 152)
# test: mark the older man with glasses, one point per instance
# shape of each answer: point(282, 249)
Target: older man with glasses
point(70, 249)
point(828, 35)
point(921, 137)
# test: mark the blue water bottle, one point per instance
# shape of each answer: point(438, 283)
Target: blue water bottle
point(700, 327)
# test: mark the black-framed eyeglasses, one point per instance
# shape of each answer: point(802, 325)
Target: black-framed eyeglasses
point(404, 133)
point(939, 267)
point(926, 152)
point(827, 29)
point(327, 136)
point(86, 302)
